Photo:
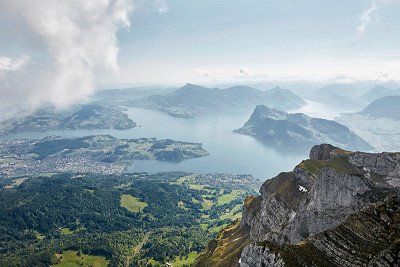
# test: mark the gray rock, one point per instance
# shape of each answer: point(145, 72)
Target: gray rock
point(318, 195)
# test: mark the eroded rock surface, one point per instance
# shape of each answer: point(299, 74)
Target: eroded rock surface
point(334, 209)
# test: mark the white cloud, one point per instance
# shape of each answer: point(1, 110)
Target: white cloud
point(366, 18)
point(79, 40)
point(203, 73)
point(162, 6)
point(244, 73)
point(9, 64)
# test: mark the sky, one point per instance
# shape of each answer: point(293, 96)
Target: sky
point(57, 52)
point(231, 40)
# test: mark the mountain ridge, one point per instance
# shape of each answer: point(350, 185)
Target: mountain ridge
point(192, 100)
point(302, 217)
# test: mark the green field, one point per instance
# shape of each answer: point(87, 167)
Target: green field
point(71, 259)
point(188, 260)
point(133, 204)
point(66, 231)
point(226, 198)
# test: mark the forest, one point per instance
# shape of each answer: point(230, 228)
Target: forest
point(44, 216)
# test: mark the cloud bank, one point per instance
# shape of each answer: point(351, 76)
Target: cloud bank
point(78, 39)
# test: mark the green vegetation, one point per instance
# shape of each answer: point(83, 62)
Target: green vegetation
point(196, 186)
point(66, 231)
point(207, 204)
point(338, 163)
point(185, 260)
point(223, 199)
point(133, 204)
point(99, 216)
point(74, 258)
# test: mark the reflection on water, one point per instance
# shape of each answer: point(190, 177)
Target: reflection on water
point(321, 110)
point(229, 152)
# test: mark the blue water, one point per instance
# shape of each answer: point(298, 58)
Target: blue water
point(229, 152)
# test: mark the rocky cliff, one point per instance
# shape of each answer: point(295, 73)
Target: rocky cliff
point(337, 208)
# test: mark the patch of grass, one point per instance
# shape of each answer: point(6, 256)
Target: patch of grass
point(231, 215)
point(131, 203)
point(182, 205)
point(226, 198)
point(66, 231)
point(38, 235)
point(217, 229)
point(15, 183)
point(204, 226)
point(71, 259)
point(152, 262)
point(185, 261)
point(338, 163)
point(207, 204)
point(196, 186)
point(184, 179)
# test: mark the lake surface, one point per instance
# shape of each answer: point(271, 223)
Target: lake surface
point(229, 152)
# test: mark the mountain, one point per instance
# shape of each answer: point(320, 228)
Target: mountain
point(352, 89)
point(337, 208)
point(118, 96)
point(193, 100)
point(343, 89)
point(298, 132)
point(377, 92)
point(378, 123)
point(341, 95)
point(386, 107)
point(88, 116)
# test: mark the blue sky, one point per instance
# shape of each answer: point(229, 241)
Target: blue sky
point(218, 41)
point(204, 40)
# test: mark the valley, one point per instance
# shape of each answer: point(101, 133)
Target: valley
point(95, 194)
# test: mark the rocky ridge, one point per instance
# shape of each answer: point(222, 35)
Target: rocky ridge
point(333, 209)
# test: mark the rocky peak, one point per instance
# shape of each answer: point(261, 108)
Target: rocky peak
point(262, 112)
point(322, 152)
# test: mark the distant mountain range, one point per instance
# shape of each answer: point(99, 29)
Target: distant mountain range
point(298, 132)
point(118, 96)
point(386, 107)
point(378, 91)
point(88, 116)
point(378, 123)
point(193, 100)
point(351, 97)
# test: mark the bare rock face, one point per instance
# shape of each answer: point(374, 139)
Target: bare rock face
point(322, 152)
point(322, 212)
point(318, 195)
point(366, 238)
point(255, 255)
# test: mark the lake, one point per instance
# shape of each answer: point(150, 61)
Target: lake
point(229, 152)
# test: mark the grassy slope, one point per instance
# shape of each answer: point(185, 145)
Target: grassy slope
point(71, 259)
point(131, 203)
